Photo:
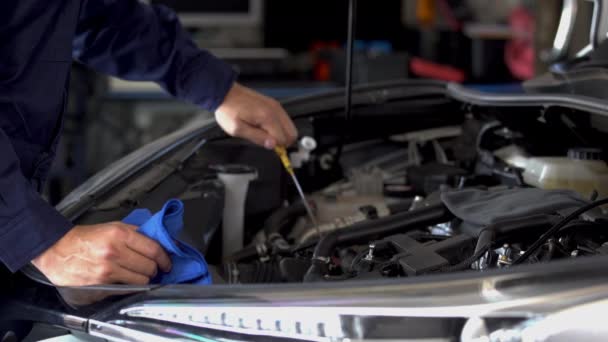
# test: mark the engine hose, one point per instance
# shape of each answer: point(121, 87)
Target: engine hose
point(466, 264)
point(556, 228)
point(283, 218)
point(273, 227)
point(550, 252)
point(488, 237)
point(249, 252)
point(370, 230)
point(400, 206)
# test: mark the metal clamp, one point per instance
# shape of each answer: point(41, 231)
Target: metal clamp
point(598, 31)
point(563, 37)
point(324, 260)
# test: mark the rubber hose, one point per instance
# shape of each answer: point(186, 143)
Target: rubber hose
point(282, 218)
point(490, 234)
point(273, 226)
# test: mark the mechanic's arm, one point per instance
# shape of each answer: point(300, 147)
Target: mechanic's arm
point(135, 41)
point(32, 230)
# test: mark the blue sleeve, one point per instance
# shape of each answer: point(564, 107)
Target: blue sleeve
point(28, 224)
point(140, 42)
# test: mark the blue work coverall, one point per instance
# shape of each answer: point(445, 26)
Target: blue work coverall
point(39, 39)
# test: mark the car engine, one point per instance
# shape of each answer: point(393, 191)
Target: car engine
point(456, 198)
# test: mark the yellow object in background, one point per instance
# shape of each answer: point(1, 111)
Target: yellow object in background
point(426, 12)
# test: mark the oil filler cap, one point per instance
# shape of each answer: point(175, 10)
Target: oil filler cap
point(585, 154)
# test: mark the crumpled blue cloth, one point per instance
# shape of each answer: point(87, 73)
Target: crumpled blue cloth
point(189, 266)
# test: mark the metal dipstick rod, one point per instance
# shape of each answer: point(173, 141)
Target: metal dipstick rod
point(282, 153)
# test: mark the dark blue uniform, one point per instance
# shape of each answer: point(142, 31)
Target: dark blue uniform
point(38, 41)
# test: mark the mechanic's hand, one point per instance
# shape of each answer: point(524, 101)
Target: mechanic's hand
point(255, 117)
point(103, 254)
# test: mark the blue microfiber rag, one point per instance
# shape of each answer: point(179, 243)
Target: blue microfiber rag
point(189, 266)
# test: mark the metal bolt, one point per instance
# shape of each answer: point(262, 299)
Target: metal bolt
point(370, 254)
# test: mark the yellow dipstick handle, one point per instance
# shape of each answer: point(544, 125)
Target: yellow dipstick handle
point(282, 153)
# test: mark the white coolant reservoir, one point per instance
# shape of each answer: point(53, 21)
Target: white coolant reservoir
point(582, 171)
point(236, 179)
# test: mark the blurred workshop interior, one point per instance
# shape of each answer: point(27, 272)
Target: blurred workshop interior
point(294, 48)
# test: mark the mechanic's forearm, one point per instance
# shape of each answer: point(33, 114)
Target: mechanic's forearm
point(28, 224)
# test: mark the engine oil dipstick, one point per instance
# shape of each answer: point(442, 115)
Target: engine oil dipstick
point(282, 153)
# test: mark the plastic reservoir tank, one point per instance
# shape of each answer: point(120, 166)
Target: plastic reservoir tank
point(236, 179)
point(582, 170)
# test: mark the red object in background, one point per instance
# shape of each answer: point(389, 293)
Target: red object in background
point(519, 52)
point(448, 15)
point(423, 68)
point(322, 67)
point(322, 71)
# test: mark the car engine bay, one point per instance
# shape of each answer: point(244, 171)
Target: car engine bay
point(483, 188)
point(413, 212)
